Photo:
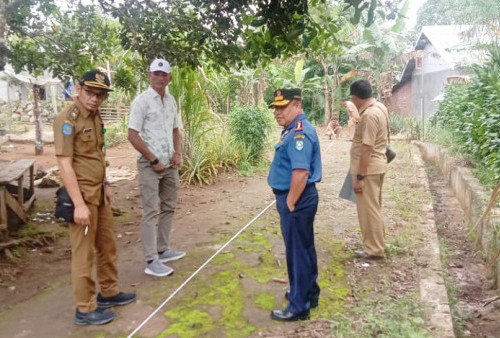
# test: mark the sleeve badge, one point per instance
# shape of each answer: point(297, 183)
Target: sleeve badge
point(67, 128)
point(299, 144)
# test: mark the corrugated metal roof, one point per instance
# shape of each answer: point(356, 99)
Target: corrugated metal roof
point(455, 43)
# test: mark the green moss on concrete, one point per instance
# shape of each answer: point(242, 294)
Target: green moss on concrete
point(222, 258)
point(264, 300)
point(221, 289)
point(188, 322)
point(332, 281)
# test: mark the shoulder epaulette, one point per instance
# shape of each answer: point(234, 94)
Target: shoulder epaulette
point(72, 112)
point(299, 126)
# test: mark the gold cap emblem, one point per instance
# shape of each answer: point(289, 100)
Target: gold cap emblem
point(99, 77)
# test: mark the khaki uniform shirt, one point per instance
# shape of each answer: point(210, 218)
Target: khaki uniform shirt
point(371, 130)
point(79, 134)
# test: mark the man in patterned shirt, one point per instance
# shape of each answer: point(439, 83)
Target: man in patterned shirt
point(154, 132)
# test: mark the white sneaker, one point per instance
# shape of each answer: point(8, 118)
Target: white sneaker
point(171, 255)
point(155, 268)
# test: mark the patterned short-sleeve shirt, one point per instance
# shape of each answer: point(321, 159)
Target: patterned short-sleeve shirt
point(155, 121)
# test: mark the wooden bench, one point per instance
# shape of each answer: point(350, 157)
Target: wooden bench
point(15, 199)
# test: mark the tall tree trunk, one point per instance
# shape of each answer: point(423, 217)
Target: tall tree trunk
point(38, 122)
point(261, 88)
point(251, 96)
point(326, 92)
point(335, 84)
point(3, 32)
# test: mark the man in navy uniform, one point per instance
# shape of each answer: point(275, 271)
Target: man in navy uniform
point(295, 169)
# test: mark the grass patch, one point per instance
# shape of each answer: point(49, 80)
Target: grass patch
point(384, 317)
point(406, 198)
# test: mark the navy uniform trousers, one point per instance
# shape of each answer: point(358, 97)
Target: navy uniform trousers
point(298, 234)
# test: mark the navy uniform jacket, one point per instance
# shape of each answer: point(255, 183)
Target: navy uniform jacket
point(298, 148)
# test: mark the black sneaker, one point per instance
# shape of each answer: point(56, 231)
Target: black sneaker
point(120, 299)
point(98, 317)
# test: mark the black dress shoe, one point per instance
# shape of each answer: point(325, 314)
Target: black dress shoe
point(286, 316)
point(314, 300)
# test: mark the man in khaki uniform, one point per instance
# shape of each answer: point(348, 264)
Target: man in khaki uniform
point(368, 166)
point(79, 142)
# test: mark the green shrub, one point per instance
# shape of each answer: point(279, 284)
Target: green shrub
point(398, 124)
point(407, 125)
point(250, 126)
point(472, 111)
point(116, 132)
point(213, 153)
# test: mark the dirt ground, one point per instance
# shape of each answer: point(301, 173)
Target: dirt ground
point(232, 296)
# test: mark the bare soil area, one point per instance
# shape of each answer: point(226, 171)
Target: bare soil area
point(475, 301)
point(233, 295)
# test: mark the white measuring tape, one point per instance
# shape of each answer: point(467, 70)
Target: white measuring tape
point(196, 272)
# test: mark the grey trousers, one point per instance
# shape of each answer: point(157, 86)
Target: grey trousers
point(159, 198)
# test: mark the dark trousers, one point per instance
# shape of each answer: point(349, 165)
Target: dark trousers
point(298, 234)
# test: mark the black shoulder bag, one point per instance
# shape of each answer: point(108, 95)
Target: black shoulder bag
point(65, 209)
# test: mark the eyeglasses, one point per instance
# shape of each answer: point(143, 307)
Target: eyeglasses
point(101, 95)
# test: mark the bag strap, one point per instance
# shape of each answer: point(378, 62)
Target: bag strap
point(377, 104)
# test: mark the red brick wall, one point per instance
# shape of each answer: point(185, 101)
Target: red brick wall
point(400, 101)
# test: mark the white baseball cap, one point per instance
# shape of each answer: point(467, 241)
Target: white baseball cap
point(160, 65)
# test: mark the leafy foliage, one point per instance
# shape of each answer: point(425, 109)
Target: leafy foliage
point(250, 127)
point(473, 113)
point(458, 12)
point(73, 44)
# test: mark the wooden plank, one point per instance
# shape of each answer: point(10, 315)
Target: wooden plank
point(3, 207)
point(20, 190)
point(13, 170)
point(32, 181)
point(15, 207)
point(27, 205)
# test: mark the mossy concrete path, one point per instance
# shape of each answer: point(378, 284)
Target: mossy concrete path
point(234, 294)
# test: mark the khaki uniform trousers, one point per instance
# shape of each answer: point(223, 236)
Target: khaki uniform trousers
point(159, 197)
point(101, 237)
point(371, 222)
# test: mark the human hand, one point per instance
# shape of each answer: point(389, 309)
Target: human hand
point(176, 160)
point(109, 194)
point(82, 214)
point(158, 167)
point(358, 186)
point(290, 206)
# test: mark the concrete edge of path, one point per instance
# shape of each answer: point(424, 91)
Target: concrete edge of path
point(433, 293)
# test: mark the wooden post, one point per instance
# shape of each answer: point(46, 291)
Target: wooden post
point(326, 93)
point(3, 209)
point(38, 122)
point(20, 190)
